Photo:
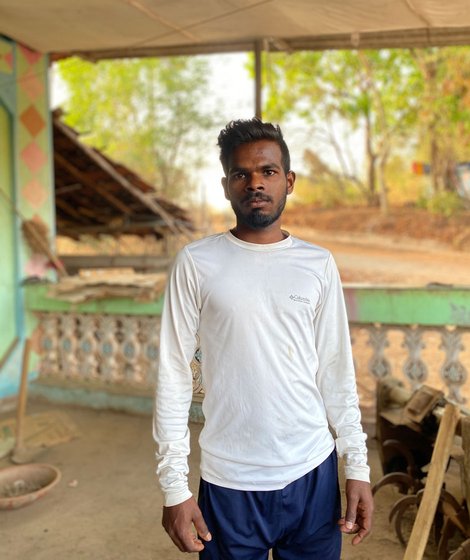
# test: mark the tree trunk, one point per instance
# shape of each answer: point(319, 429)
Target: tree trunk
point(371, 170)
point(383, 196)
point(435, 163)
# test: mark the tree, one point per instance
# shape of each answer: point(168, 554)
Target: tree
point(444, 114)
point(146, 113)
point(375, 92)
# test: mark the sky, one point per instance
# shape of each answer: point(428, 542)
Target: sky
point(234, 96)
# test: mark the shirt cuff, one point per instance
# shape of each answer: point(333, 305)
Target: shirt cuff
point(357, 472)
point(175, 498)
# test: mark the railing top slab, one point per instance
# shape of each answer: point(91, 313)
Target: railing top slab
point(432, 306)
point(429, 306)
point(36, 299)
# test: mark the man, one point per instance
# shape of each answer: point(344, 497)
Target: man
point(277, 370)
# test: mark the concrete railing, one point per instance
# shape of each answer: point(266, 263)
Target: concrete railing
point(419, 335)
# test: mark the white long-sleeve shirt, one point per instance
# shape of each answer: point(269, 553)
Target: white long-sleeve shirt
point(277, 366)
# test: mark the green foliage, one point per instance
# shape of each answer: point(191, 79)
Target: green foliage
point(444, 111)
point(373, 92)
point(444, 203)
point(410, 104)
point(347, 84)
point(146, 113)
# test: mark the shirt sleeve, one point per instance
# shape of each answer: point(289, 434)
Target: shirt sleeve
point(174, 389)
point(336, 377)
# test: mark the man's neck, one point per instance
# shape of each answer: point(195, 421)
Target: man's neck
point(271, 234)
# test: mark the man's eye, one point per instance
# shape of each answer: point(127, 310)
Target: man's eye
point(239, 176)
point(269, 171)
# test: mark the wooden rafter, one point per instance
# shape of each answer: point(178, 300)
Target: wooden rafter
point(70, 210)
point(82, 178)
point(144, 198)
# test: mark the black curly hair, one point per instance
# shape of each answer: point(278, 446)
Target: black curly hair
point(244, 131)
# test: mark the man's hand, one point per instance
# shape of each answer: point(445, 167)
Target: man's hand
point(178, 522)
point(359, 509)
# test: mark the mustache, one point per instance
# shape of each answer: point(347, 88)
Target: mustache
point(256, 196)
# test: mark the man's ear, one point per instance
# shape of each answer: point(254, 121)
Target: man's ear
point(290, 181)
point(224, 185)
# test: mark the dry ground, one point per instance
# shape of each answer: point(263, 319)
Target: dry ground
point(401, 223)
point(408, 247)
point(114, 511)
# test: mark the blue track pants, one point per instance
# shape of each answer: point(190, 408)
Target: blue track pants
point(299, 522)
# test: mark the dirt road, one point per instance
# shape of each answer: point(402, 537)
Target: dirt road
point(374, 259)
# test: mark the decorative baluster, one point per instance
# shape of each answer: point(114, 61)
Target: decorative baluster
point(196, 368)
point(68, 345)
point(415, 369)
point(108, 347)
point(150, 331)
point(49, 363)
point(378, 365)
point(130, 348)
point(87, 345)
point(453, 371)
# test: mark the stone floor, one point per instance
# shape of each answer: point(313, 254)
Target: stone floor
point(113, 510)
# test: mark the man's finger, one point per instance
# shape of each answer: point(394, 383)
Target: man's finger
point(357, 539)
point(347, 527)
point(191, 543)
point(201, 527)
point(351, 512)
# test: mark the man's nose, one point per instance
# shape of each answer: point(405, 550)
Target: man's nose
point(255, 182)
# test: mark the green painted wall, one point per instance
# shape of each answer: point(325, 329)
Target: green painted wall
point(8, 287)
point(26, 177)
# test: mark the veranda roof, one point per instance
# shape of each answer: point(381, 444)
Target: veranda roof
point(116, 28)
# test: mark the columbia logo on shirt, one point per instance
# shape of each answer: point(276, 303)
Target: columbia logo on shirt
point(299, 299)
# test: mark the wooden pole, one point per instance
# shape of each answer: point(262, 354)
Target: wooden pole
point(22, 397)
point(258, 78)
point(432, 490)
point(466, 458)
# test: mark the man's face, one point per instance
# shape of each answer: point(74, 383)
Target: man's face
point(256, 184)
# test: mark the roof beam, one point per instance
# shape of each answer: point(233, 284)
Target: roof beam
point(404, 38)
point(399, 39)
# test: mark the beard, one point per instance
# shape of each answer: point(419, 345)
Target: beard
point(257, 218)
